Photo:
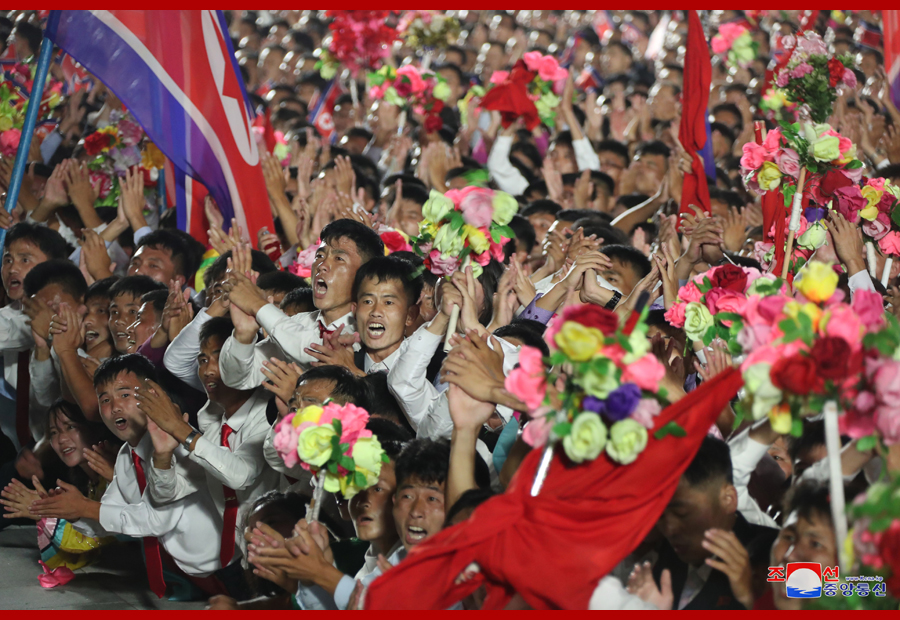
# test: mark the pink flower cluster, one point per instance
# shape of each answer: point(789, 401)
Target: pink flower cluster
point(727, 35)
point(547, 67)
point(353, 427)
point(728, 287)
point(876, 408)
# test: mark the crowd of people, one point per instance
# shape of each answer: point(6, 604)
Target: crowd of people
point(145, 373)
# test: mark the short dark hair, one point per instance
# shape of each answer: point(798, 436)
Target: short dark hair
point(573, 215)
point(112, 367)
point(368, 244)
point(524, 232)
point(280, 282)
point(302, 297)
point(58, 271)
point(347, 385)
point(391, 436)
point(473, 498)
point(100, 288)
point(48, 241)
point(425, 459)
point(259, 262)
point(723, 129)
point(630, 256)
point(531, 333)
point(390, 268)
point(813, 435)
point(220, 326)
point(711, 463)
point(601, 178)
point(809, 499)
point(157, 299)
point(137, 286)
point(653, 147)
point(182, 254)
point(615, 147)
point(539, 207)
point(382, 402)
point(31, 33)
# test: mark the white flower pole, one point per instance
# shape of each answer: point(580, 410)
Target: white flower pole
point(454, 314)
point(794, 224)
point(836, 480)
point(871, 259)
point(315, 507)
point(543, 468)
point(886, 274)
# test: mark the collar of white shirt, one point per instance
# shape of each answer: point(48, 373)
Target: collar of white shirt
point(144, 449)
point(385, 364)
point(216, 412)
point(348, 321)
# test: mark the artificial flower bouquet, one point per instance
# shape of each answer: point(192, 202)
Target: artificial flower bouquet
point(805, 350)
point(360, 41)
point(606, 387)
point(411, 89)
point(714, 304)
point(115, 149)
point(427, 29)
point(874, 204)
point(469, 225)
point(811, 76)
point(333, 443)
point(530, 91)
point(734, 44)
point(15, 85)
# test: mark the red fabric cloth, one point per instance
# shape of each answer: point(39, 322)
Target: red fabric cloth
point(151, 543)
point(510, 98)
point(553, 549)
point(231, 510)
point(692, 132)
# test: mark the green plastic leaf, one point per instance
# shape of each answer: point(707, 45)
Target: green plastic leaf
point(347, 463)
point(895, 215)
point(709, 336)
point(728, 316)
point(338, 427)
point(359, 480)
point(558, 358)
point(866, 443)
point(879, 525)
point(672, 428)
point(495, 235)
point(506, 231)
point(738, 415)
point(796, 427)
point(705, 286)
point(332, 467)
point(385, 458)
point(854, 165)
point(562, 429)
point(456, 220)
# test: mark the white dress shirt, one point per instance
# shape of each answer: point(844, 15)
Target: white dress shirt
point(860, 281)
point(188, 529)
point(15, 336)
point(370, 366)
point(181, 355)
point(505, 175)
point(241, 467)
point(289, 337)
point(426, 407)
point(745, 456)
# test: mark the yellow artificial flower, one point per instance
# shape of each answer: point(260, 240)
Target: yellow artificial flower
point(437, 207)
point(427, 228)
point(152, 157)
point(314, 445)
point(505, 207)
point(697, 320)
point(873, 197)
point(586, 439)
point(476, 239)
point(627, 439)
point(596, 384)
point(578, 342)
point(308, 414)
point(448, 241)
point(780, 419)
point(6, 123)
point(769, 176)
point(819, 282)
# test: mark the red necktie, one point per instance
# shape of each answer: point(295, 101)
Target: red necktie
point(151, 543)
point(23, 383)
point(231, 510)
point(324, 330)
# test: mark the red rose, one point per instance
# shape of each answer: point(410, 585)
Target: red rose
point(729, 277)
point(95, 143)
point(832, 357)
point(433, 123)
point(590, 315)
point(403, 87)
point(795, 374)
point(394, 242)
point(833, 180)
point(835, 72)
point(889, 550)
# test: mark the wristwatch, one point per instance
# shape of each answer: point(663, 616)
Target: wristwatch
point(190, 439)
point(612, 303)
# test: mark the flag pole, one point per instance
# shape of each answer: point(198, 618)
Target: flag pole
point(34, 104)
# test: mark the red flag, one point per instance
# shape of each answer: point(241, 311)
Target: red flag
point(553, 549)
point(264, 122)
point(692, 133)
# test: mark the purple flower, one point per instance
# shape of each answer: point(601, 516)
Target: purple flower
point(813, 214)
point(622, 401)
point(596, 405)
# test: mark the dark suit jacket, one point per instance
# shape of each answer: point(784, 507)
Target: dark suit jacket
point(716, 592)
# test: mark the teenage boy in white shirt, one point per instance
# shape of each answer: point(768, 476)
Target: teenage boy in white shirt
point(186, 531)
point(228, 446)
point(346, 245)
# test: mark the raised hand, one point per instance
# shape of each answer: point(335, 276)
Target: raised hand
point(730, 557)
point(66, 330)
point(848, 242)
point(281, 378)
point(102, 459)
point(642, 584)
point(474, 366)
